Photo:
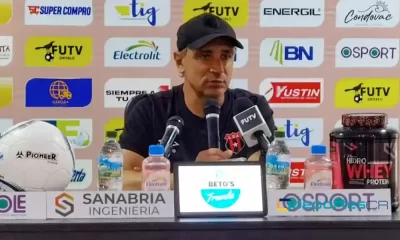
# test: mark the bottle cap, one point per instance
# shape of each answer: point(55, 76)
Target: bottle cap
point(279, 134)
point(318, 150)
point(156, 150)
point(111, 134)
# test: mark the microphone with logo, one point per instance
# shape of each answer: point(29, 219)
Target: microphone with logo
point(251, 124)
point(212, 111)
point(174, 127)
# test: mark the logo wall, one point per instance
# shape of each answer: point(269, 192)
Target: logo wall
point(119, 90)
point(292, 93)
point(79, 132)
point(137, 13)
point(6, 9)
point(50, 92)
point(292, 13)
point(114, 124)
point(82, 176)
point(367, 52)
point(236, 13)
point(137, 52)
point(58, 13)
point(58, 51)
point(301, 132)
point(239, 83)
point(5, 123)
point(367, 14)
point(242, 55)
point(6, 50)
point(292, 52)
point(297, 173)
point(6, 91)
point(367, 93)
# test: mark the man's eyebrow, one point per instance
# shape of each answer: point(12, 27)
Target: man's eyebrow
point(210, 51)
point(228, 50)
point(204, 51)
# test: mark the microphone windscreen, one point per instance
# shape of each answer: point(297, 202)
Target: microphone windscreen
point(242, 104)
point(211, 106)
point(176, 121)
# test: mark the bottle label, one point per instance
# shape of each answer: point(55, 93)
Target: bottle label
point(110, 169)
point(156, 181)
point(370, 163)
point(278, 165)
point(320, 180)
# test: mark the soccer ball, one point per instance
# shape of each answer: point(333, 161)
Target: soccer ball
point(35, 156)
point(49, 57)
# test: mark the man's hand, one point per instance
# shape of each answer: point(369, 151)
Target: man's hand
point(213, 154)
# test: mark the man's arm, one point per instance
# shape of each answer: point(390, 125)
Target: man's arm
point(135, 140)
point(255, 156)
point(132, 179)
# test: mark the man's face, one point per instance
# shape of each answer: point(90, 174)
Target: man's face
point(209, 70)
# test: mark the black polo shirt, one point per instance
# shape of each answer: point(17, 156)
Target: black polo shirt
point(145, 125)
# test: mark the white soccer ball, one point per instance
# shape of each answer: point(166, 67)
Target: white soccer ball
point(36, 156)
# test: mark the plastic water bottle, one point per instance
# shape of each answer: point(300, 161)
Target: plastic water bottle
point(278, 163)
point(110, 164)
point(156, 175)
point(318, 169)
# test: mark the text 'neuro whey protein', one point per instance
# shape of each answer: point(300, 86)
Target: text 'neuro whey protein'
point(364, 154)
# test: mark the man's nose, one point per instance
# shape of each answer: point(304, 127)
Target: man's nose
point(217, 66)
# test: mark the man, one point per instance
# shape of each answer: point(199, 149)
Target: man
point(206, 48)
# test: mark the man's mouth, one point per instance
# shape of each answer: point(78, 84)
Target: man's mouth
point(216, 83)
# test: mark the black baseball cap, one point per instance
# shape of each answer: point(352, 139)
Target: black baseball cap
point(202, 29)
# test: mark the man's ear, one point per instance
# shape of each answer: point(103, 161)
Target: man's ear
point(178, 57)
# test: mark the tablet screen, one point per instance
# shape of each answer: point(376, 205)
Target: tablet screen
point(223, 188)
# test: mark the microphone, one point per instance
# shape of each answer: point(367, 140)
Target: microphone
point(174, 127)
point(251, 124)
point(212, 110)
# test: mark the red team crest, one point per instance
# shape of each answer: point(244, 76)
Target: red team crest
point(163, 88)
point(234, 142)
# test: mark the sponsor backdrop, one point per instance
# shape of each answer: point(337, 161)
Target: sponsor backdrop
point(75, 63)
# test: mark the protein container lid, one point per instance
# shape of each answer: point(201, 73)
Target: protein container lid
point(156, 150)
point(318, 150)
point(377, 120)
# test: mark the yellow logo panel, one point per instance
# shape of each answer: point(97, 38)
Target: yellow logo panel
point(58, 52)
point(236, 13)
point(6, 11)
point(114, 124)
point(6, 92)
point(367, 93)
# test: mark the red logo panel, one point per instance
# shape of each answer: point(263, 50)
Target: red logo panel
point(294, 92)
point(297, 172)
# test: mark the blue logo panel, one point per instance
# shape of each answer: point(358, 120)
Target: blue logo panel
point(220, 198)
point(55, 92)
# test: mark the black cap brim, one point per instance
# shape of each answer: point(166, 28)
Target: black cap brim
point(201, 42)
